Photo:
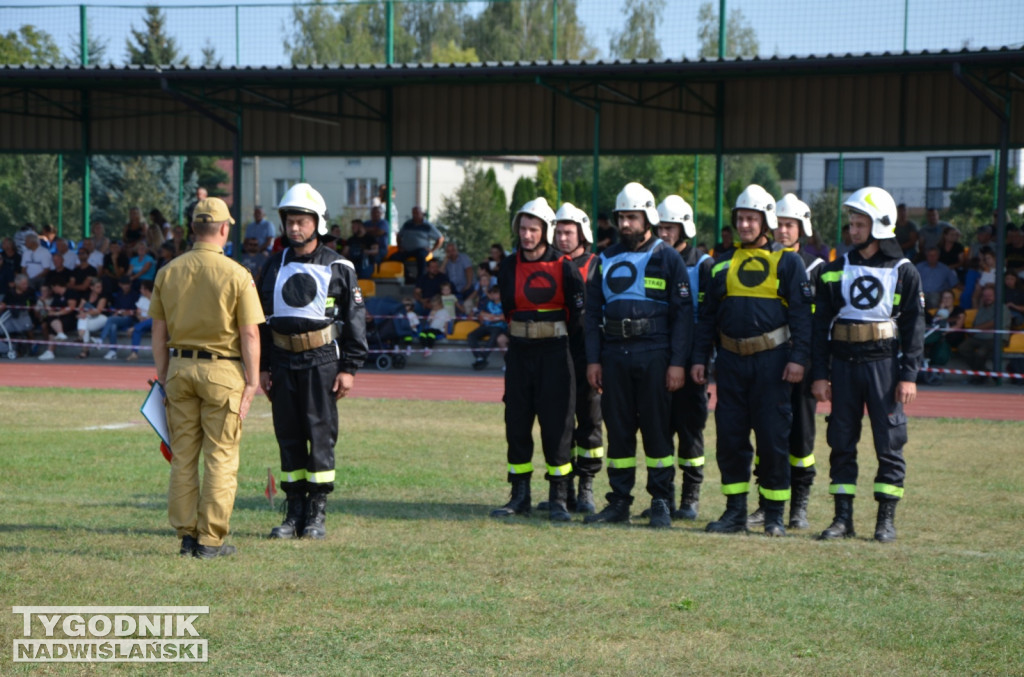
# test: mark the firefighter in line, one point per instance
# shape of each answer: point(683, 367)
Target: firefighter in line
point(573, 238)
point(795, 219)
point(867, 349)
point(542, 298)
point(689, 403)
point(312, 344)
point(639, 326)
point(757, 310)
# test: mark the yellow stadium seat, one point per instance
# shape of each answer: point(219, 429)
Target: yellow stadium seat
point(969, 317)
point(462, 328)
point(369, 288)
point(390, 270)
point(1016, 344)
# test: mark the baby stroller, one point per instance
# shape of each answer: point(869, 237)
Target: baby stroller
point(5, 318)
point(386, 327)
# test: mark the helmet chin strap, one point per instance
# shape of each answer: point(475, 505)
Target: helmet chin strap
point(296, 244)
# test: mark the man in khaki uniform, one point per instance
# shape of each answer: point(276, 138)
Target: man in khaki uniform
point(206, 310)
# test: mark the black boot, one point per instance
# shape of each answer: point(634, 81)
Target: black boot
point(585, 499)
point(661, 515)
point(570, 499)
point(295, 517)
point(316, 516)
point(734, 519)
point(773, 512)
point(757, 518)
point(885, 530)
point(616, 511)
point(842, 524)
point(518, 502)
point(689, 501)
point(557, 493)
point(798, 506)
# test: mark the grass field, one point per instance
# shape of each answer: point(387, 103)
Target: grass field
point(414, 578)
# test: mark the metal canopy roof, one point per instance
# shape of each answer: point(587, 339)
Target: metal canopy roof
point(851, 102)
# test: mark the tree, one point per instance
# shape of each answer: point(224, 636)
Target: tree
point(522, 30)
point(475, 215)
point(29, 45)
point(210, 58)
point(546, 186)
point(740, 38)
point(29, 187)
point(524, 191)
point(435, 29)
point(970, 203)
point(638, 38)
point(97, 48)
point(340, 34)
point(120, 183)
point(824, 211)
point(151, 45)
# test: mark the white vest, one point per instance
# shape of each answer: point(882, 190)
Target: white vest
point(869, 293)
point(307, 285)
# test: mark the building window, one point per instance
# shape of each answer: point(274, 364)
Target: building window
point(354, 162)
point(281, 187)
point(857, 173)
point(946, 173)
point(361, 192)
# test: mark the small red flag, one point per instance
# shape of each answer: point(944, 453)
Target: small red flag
point(271, 489)
point(166, 451)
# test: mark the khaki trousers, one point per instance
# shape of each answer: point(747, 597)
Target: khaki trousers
point(203, 401)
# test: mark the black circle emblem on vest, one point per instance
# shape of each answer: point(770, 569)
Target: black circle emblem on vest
point(539, 287)
point(621, 276)
point(866, 292)
point(753, 272)
point(299, 290)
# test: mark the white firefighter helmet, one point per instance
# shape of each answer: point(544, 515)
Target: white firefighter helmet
point(792, 207)
point(539, 208)
point(756, 198)
point(635, 198)
point(303, 198)
point(675, 209)
point(570, 212)
point(879, 205)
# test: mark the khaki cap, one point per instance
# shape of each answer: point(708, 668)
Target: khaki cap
point(212, 210)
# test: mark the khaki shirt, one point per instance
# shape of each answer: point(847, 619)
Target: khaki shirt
point(205, 297)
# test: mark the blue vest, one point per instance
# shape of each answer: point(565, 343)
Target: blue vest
point(694, 273)
point(622, 276)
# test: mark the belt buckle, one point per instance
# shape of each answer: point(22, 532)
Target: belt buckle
point(627, 327)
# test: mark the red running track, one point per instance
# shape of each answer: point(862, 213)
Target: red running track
point(1006, 404)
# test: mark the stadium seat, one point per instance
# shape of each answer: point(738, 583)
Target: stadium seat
point(969, 317)
point(462, 328)
point(1016, 345)
point(369, 288)
point(390, 270)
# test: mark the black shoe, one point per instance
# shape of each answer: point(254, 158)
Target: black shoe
point(558, 510)
point(734, 519)
point(773, 512)
point(295, 517)
point(689, 502)
point(885, 529)
point(188, 545)
point(842, 524)
point(646, 513)
point(316, 517)
point(585, 498)
point(798, 506)
point(661, 516)
point(756, 518)
point(518, 502)
point(480, 364)
point(617, 511)
point(211, 551)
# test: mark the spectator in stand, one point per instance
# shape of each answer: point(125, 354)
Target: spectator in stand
point(978, 347)
point(158, 230)
point(36, 260)
point(930, 234)
point(121, 316)
point(135, 229)
point(47, 236)
point(1013, 297)
point(59, 272)
point(418, 238)
point(19, 237)
point(362, 249)
point(201, 194)
point(379, 228)
point(977, 278)
point(935, 277)
point(93, 257)
point(115, 266)
point(815, 247)
point(607, 234)
point(100, 241)
point(1014, 249)
point(492, 327)
point(181, 245)
point(165, 255)
point(20, 300)
point(144, 324)
point(92, 309)
point(142, 266)
point(459, 269)
point(726, 245)
point(10, 264)
point(61, 317)
point(452, 305)
point(982, 239)
point(83, 274)
point(262, 230)
point(63, 247)
point(435, 326)
point(952, 253)
point(937, 348)
point(906, 233)
point(429, 285)
point(252, 257)
point(477, 299)
point(495, 255)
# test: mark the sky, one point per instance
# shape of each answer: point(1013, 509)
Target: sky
point(796, 27)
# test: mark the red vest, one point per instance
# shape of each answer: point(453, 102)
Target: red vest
point(539, 285)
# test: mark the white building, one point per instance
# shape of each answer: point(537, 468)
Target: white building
point(348, 184)
point(918, 179)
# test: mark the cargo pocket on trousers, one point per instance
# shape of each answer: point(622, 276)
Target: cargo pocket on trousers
point(897, 430)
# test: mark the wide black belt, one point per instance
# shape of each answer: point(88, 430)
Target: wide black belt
point(632, 327)
point(201, 354)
